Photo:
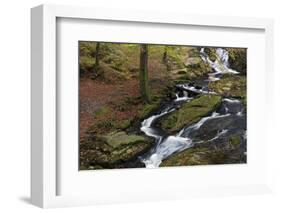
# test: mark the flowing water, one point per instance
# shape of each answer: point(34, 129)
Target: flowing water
point(220, 65)
point(229, 118)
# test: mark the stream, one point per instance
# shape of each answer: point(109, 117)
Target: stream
point(228, 119)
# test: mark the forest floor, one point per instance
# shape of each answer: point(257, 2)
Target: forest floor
point(96, 95)
point(118, 101)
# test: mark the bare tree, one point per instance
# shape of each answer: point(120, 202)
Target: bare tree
point(97, 54)
point(164, 59)
point(144, 89)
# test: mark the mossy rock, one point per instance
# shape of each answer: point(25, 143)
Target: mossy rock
point(235, 140)
point(238, 59)
point(129, 152)
point(124, 124)
point(230, 86)
point(190, 112)
point(112, 150)
point(211, 52)
point(125, 147)
point(198, 69)
point(185, 77)
point(148, 109)
point(118, 139)
point(195, 156)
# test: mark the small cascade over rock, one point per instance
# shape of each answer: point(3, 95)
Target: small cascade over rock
point(220, 65)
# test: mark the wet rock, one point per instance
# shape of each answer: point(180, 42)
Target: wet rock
point(191, 84)
point(232, 106)
point(190, 112)
point(211, 128)
point(119, 139)
point(229, 150)
point(195, 156)
point(235, 140)
point(238, 59)
point(230, 86)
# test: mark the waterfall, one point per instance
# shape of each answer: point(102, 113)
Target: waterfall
point(146, 124)
point(220, 65)
point(182, 98)
point(167, 147)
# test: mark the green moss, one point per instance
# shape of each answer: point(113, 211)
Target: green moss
point(102, 111)
point(86, 64)
point(187, 157)
point(235, 140)
point(117, 139)
point(211, 52)
point(195, 156)
point(197, 68)
point(244, 101)
point(180, 81)
point(129, 152)
point(112, 150)
point(172, 56)
point(102, 126)
point(230, 86)
point(190, 112)
point(184, 77)
point(124, 124)
point(238, 59)
point(147, 109)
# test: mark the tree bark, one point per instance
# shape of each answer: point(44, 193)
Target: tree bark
point(143, 78)
point(97, 56)
point(165, 55)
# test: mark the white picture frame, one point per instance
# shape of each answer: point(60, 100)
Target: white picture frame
point(44, 153)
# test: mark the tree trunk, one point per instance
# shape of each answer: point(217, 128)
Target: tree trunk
point(97, 56)
point(144, 90)
point(165, 55)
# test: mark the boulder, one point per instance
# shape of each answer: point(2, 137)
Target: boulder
point(113, 150)
point(118, 139)
point(212, 127)
point(232, 151)
point(230, 86)
point(189, 113)
point(195, 156)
